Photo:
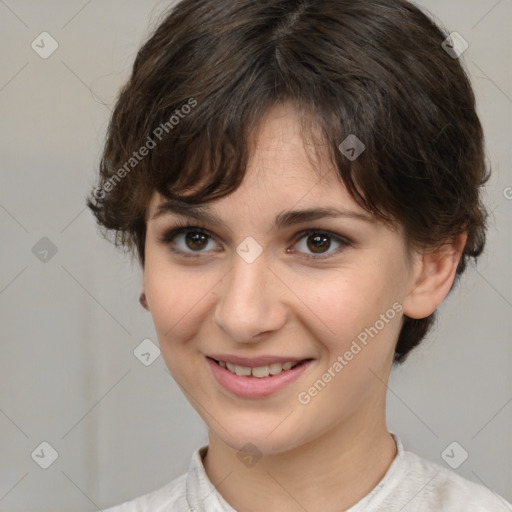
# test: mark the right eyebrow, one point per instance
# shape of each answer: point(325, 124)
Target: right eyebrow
point(199, 212)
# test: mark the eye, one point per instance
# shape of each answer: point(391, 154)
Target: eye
point(319, 242)
point(192, 241)
point(187, 240)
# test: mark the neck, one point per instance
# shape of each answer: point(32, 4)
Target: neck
point(331, 473)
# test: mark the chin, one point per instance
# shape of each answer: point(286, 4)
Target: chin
point(269, 436)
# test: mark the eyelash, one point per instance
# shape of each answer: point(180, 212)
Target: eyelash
point(181, 227)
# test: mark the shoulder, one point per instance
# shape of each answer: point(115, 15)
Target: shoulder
point(441, 489)
point(161, 500)
point(415, 484)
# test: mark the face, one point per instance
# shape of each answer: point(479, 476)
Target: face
point(259, 288)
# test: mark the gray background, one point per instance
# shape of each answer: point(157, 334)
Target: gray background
point(70, 324)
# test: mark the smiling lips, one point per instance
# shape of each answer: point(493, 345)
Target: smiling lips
point(255, 377)
point(259, 367)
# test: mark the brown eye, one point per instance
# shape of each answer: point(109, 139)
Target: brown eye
point(187, 241)
point(317, 244)
point(192, 241)
point(196, 240)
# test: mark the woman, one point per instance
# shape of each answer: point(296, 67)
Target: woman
point(300, 182)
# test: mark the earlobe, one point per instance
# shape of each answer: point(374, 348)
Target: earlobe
point(434, 275)
point(143, 301)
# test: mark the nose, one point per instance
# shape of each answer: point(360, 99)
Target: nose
point(250, 302)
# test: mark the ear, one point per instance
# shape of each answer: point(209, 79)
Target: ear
point(142, 299)
point(433, 276)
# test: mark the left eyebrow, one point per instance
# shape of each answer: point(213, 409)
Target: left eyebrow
point(284, 219)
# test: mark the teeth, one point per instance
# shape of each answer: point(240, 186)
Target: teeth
point(259, 371)
point(276, 368)
point(242, 370)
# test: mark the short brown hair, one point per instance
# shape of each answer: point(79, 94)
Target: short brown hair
point(372, 68)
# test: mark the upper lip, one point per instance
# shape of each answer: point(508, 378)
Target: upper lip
point(254, 362)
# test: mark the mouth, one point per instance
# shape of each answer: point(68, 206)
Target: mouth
point(251, 382)
point(259, 372)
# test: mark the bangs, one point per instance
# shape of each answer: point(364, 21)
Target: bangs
point(205, 156)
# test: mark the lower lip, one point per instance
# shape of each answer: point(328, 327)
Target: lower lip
point(254, 387)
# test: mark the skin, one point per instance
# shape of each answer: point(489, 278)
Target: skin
point(327, 454)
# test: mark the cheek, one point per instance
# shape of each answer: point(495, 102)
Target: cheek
point(345, 306)
point(356, 324)
point(176, 301)
point(356, 318)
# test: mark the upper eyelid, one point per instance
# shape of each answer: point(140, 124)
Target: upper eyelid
point(180, 229)
point(200, 227)
point(191, 223)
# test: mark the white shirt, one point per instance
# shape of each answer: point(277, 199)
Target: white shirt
point(411, 484)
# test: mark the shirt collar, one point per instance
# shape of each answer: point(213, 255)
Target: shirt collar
point(202, 496)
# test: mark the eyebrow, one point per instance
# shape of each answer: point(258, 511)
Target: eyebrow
point(284, 219)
